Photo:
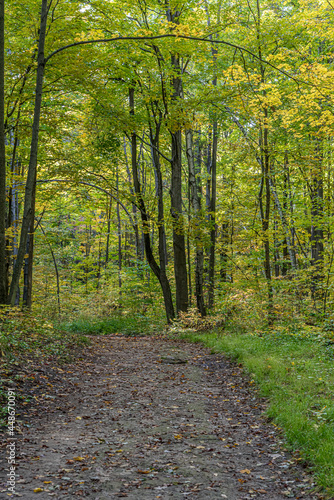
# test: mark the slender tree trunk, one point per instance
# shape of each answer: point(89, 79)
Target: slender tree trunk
point(213, 231)
point(159, 271)
point(189, 268)
point(31, 178)
point(223, 252)
point(317, 233)
point(165, 285)
point(119, 231)
point(27, 295)
point(179, 246)
point(288, 246)
point(25, 274)
point(265, 181)
point(55, 264)
point(276, 248)
point(3, 267)
point(139, 253)
point(266, 217)
point(197, 221)
point(109, 205)
point(162, 238)
point(211, 202)
point(180, 261)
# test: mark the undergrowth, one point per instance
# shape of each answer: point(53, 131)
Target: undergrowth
point(130, 324)
point(27, 340)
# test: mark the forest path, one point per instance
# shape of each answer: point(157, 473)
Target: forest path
point(131, 419)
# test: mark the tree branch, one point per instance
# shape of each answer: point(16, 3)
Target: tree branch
point(171, 35)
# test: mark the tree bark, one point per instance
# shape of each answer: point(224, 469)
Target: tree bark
point(211, 274)
point(179, 246)
point(3, 267)
point(180, 261)
point(196, 205)
point(159, 271)
point(55, 264)
point(213, 171)
point(108, 210)
point(266, 214)
point(265, 181)
point(32, 169)
point(317, 233)
point(223, 252)
point(288, 244)
point(119, 234)
point(27, 293)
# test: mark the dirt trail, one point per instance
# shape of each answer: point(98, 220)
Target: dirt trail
point(131, 419)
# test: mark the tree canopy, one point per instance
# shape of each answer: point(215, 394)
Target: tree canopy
point(168, 147)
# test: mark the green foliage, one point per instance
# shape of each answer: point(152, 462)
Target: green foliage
point(133, 325)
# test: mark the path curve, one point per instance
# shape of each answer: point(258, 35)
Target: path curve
point(147, 418)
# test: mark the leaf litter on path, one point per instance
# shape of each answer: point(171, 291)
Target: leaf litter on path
point(132, 425)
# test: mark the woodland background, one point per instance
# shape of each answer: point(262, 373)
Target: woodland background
point(190, 166)
point(172, 162)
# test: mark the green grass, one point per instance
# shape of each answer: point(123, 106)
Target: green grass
point(296, 373)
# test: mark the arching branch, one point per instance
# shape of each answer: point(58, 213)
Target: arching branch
point(172, 35)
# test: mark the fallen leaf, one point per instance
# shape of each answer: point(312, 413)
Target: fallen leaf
point(245, 471)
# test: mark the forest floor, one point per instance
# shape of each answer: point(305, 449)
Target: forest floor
point(147, 418)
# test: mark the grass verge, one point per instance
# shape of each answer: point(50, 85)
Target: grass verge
point(296, 374)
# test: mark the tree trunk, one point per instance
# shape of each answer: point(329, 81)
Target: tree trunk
point(276, 248)
point(211, 202)
point(211, 274)
point(27, 293)
point(180, 261)
point(288, 245)
point(266, 215)
point(159, 271)
point(3, 267)
point(55, 264)
point(223, 252)
point(317, 233)
point(179, 246)
point(265, 181)
point(139, 253)
point(31, 178)
point(119, 232)
point(109, 205)
point(196, 205)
